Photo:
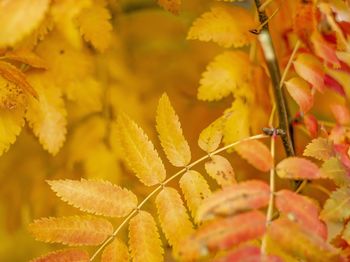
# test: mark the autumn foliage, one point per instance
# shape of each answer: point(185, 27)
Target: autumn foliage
point(175, 130)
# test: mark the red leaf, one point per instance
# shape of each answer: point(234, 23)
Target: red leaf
point(222, 234)
point(325, 50)
point(303, 210)
point(310, 68)
point(341, 114)
point(311, 125)
point(300, 91)
point(244, 196)
point(298, 168)
point(256, 153)
point(247, 254)
point(333, 84)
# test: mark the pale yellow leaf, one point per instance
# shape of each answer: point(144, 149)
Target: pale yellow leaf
point(47, 114)
point(210, 138)
point(227, 26)
point(221, 170)
point(19, 18)
point(145, 245)
point(173, 217)
point(170, 134)
point(73, 231)
point(64, 255)
point(97, 197)
point(116, 251)
point(238, 122)
point(224, 75)
point(95, 26)
point(319, 148)
point(140, 153)
point(195, 189)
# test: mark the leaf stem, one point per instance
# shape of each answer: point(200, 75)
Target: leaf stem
point(275, 74)
point(159, 187)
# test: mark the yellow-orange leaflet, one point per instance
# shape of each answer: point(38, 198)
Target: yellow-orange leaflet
point(64, 255)
point(115, 251)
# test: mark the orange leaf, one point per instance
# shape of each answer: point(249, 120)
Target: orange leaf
point(115, 251)
point(247, 253)
point(310, 68)
point(26, 57)
point(241, 197)
point(298, 168)
point(256, 153)
point(14, 75)
point(172, 6)
point(65, 255)
point(325, 50)
point(222, 234)
point(341, 114)
point(311, 125)
point(302, 210)
point(97, 197)
point(221, 170)
point(75, 230)
point(300, 91)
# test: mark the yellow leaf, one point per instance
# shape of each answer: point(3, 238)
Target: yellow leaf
point(73, 231)
point(172, 6)
point(116, 251)
point(47, 115)
point(17, 77)
point(19, 18)
point(26, 57)
point(226, 26)
point(237, 123)
point(145, 245)
point(173, 217)
point(65, 255)
point(210, 138)
point(319, 148)
point(97, 197)
point(140, 153)
point(170, 133)
point(195, 189)
point(224, 75)
point(221, 170)
point(11, 122)
point(95, 26)
point(12, 96)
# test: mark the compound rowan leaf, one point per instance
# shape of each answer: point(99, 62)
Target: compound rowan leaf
point(47, 114)
point(140, 153)
point(169, 129)
point(145, 244)
point(17, 77)
point(310, 68)
point(173, 217)
point(300, 91)
point(247, 253)
point(64, 255)
point(252, 194)
point(337, 207)
point(298, 168)
point(300, 243)
point(73, 231)
point(19, 18)
point(26, 57)
point(172, 6)
point(319, 148)
point(221, 170)
point(237, 124)
point(226, 26)
point(95, 26)
point(256, 153)
point(341, 114)
point(115, 251)
point(222, 234)
point(11, 123)
point(302, 210)
point(195, 189)
point(224, 75)
point(96, 197)
point(334, 169)
point(210, 138)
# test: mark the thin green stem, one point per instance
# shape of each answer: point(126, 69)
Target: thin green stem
point(158, 188)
